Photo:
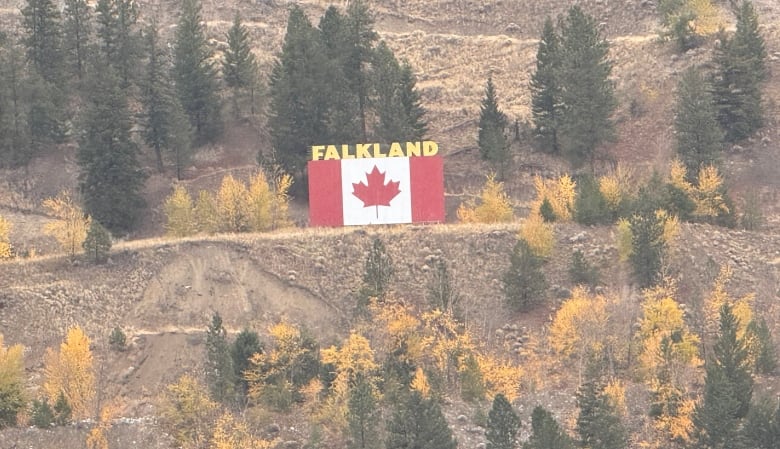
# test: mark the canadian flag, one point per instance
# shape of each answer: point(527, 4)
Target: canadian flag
point(376, 191)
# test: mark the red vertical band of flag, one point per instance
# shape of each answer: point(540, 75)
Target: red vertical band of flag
point(427, 179)
point(325, 202)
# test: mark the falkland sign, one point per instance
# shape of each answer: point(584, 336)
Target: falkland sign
point(402, 182)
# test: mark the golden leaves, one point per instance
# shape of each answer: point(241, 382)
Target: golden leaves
point(70, 227)
point(494, 206)
point(70, 371)
point(538, 234)
point(5, 239)
point(179, 213)
point(560, 193)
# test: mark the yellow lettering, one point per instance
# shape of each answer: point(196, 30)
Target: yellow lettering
point(413, 149)
point(316, 152)
point(430, 148)
point(331, 152)
point(378, 151)
point(395, 150)
point(345, 152)
point(362, 150)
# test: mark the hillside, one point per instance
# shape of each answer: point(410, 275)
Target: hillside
point(163, 292)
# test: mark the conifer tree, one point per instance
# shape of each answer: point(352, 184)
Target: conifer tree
point(740, 72)
point(298, 102)
point(524, 283)
point(360, 38)
point(762, 425)
point(418, 423)
point(111, 178)
point(699, 138)
point(546, 433)
point(598, 424)
point(41, 20)
point(647, 246)
point(77, 28)
point(761, 348)
point(166, 129)
point(195, 75)
point(98, 242)
point(587, 95)
point(502, 425)
point(400, 114)
point(545, 90)
point(12, 394)
point(15, 148)
point(377, 274)
point(220, 373)
point(246, 345)
point(362, 415)
point(728, 387)
point(120, 42)
point(442, 292)
point(492, 141)
point(239, 67)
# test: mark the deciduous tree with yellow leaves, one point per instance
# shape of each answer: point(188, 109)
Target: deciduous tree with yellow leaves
point(179, 213)
point(559, 193)
point(69, 372)
point(12, 396)
point(71, 223)
point(6, 250)
point(493, 207)
point(187, 413)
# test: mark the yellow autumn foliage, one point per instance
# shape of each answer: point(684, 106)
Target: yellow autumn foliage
point(420, 383)
point(579, 324)
point(232, 433)
point(397, 326)
point(625, 237)
point(742, 308)
point(70, 371)
point(205, 213)
point(187, 413)
point(707, 17)
point(96, 438)
point(179, 213)
point(6, 251)
point(539, 235)
point(615, 391)
point(355, 359)
point(671, 226)
point(500, 376)
point(261, 199)
point(11, 370)
point(233, 205)
point(280, 217)
point(617, 186)
point(494, 205)
point(560, 193)
point(709, 194)
point(71, 224)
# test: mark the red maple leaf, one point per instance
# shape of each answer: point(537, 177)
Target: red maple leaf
point(376, 192)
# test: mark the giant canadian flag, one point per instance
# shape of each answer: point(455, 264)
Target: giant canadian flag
point(376, 190)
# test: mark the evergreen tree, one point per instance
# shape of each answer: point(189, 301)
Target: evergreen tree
point(41, 22)
point(220, 373)
point(362, 415)
point(524, 283)
point(246, 344)
point(98, 242)
point(761, 348)
point(546, 433)
point(343, 117)
point(42, 415)
point(377, 274)
point(195, 75)
point(298, 96)
point(502, 425)
point(598, 424)
point(442, 292)
point(587, 95)
point(166, 129)
point(741, 70)
point(15, 148)
point(492, 141)
point(111, 178)
point(120, 42)
point(728, 387)
point(418, 423)
point(400, 114)
point(699, 138)
point(77, 27)
point(647, 246)
point(62, 410)
point(239, 67)
point(360, 38)
point(44, 112)
point(762, 425)
point(545, 92)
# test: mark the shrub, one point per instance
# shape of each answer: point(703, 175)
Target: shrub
point(752, 217)
point(581, 271)
point(6, 250)
point(590, 206)
point(42, 415)
point(117, 340)
point(546, 211)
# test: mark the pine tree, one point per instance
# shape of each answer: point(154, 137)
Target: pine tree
point(195, 75)
point(246, 344)
point(298, 95)
point(239, 67)
point(418, 423)
point(545, 91)
point(741, 70)
point(42, 23)
point(699, 138)
point(442, 291)
point(377, 274)
point(120, 42)
point(111, 178)
point(220, 373)
point(362, 415)
point(360, 38)
point(587, 94)
point(15, 148)
point(502, 425)
point(647, 246)
point(77, 28)
point(166, 129)
point(762, 425)
point(492, 141)
point(598, 424)
point(761, 348)
point(546, 433)
point(98, 242)
point(728, 387)
point(524, 284)
point(400, 114)
point(62, 410)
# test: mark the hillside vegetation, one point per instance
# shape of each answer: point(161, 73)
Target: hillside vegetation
point(612, 299)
